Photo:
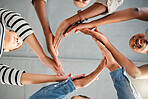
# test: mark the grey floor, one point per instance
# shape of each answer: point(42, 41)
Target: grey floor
point(78, 53)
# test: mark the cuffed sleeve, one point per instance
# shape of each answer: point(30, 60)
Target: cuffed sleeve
point(111, 5)
point(10, 76)
point(124, 87)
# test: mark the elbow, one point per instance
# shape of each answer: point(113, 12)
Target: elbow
point(135, 11)
point(137, 75)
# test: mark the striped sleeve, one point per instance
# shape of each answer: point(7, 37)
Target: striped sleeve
point(10, 76)
point(16, 23)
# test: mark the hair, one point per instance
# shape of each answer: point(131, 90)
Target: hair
point(81, 96)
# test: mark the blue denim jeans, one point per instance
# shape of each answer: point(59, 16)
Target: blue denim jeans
point(55, 91)
point(123, 85)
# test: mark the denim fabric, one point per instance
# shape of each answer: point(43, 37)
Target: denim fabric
point(55, 91)
point(123, 85)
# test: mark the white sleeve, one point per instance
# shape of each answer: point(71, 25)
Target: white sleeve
point(16, 23)
point(10, 76)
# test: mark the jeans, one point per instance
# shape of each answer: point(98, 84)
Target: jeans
point(55, 91)
point(123, 85)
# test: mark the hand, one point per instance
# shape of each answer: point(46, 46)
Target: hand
point(98, 35)
point(109, 61)
point(77, 28)
point(77, 76)
point(50, 63)
point(54, 53)
point(60, 33)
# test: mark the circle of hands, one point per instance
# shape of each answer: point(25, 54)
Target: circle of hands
point(63, 30)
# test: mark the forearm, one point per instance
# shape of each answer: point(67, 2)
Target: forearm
point(40, 7)
point(35, 45)
point(92, 11)
point(83, 82)
point(130, 67)
point(28, 78)
point(119, 16)
point(114, 67)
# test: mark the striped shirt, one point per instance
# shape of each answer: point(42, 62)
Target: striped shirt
point(17, 23)
point(13, 20)
point(10, 76)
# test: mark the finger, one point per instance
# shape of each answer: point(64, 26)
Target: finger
point(87, 31)
point(77, 31)
point(55, 70)
point(56, 38)
point(58, 42)
point(57, 52)
point(105, 62)
point(70, 75)
point(61, 71)
point(96, 29)
point(74, 27)
point(78, 76)
point(54, 56)
point(71, 29)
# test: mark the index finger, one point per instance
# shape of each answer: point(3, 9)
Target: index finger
point(95, 33)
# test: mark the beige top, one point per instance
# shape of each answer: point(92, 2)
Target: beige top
point(33, 1)
point(111, 5)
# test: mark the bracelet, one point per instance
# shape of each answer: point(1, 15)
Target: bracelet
point(82, 17)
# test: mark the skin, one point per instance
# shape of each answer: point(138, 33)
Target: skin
point(81, 3)
point(108, 61)
point(119, 16)
point(78, 97)
point(138, 43)
point(40, 8)
point(134, 71)
point(11, 41)
point(87, 80)
point(28, 78)
point(92, 11)
point(36, 47)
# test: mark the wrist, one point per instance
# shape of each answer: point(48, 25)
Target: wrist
point(92, 24)
point(73, 19)
point(47, 32)
point(113, 67)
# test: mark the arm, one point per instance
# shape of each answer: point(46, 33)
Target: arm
point(40, 7)
point(28, 78)
point(92, 11)
point(119, 16)
point(85, 81)
point(12, 76)
point(36, 47)
point(131, 68)
point(123, 15)
point(122, 84)
point(25, 32)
